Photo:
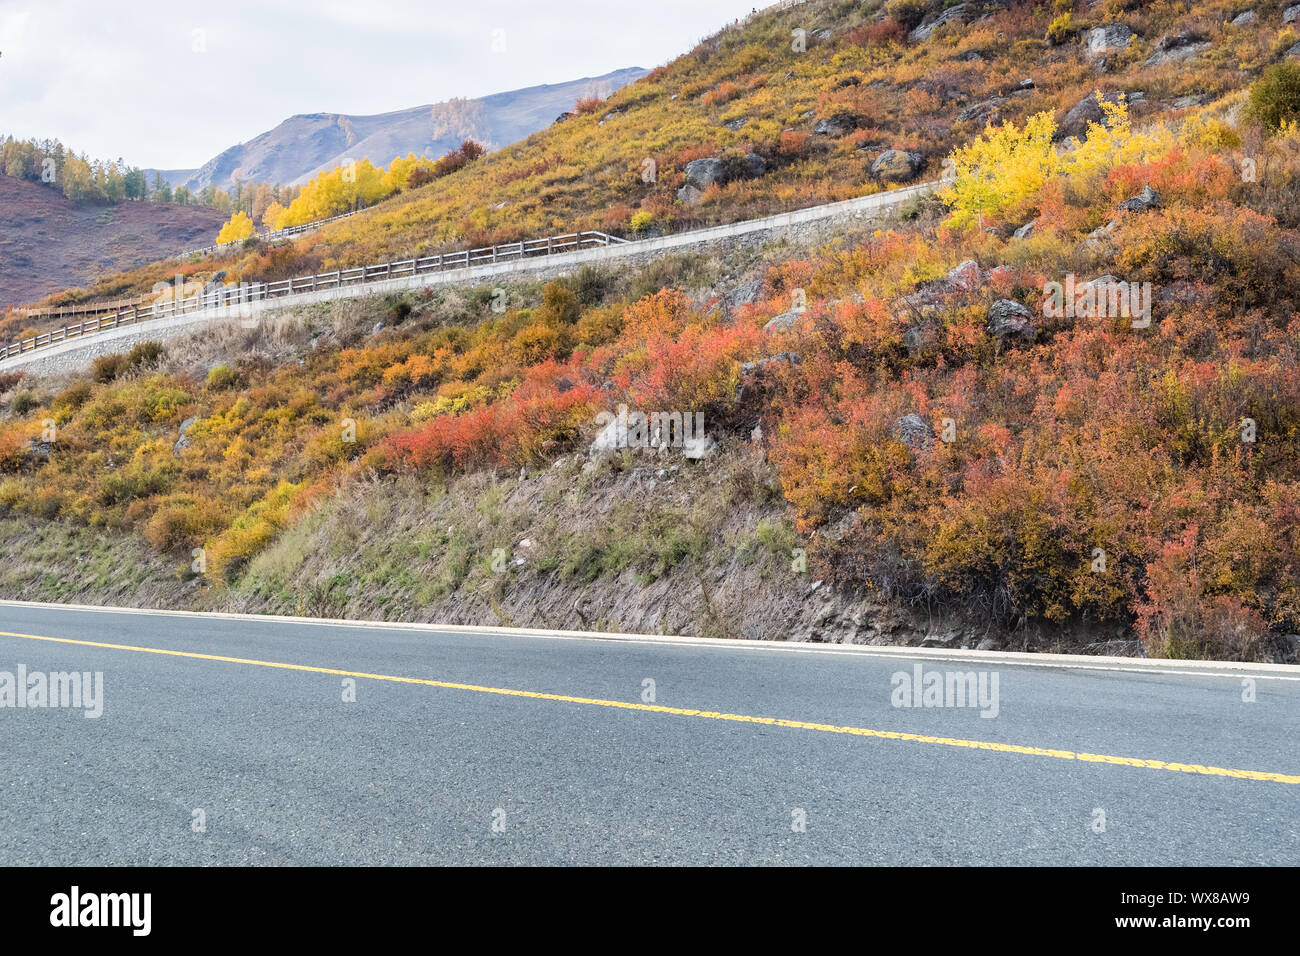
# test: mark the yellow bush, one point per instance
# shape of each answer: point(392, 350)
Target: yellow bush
point(239, 227)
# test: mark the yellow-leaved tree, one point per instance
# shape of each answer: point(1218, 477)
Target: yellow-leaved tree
point(999, 170)
point(1008, 164)
point(336, 191)
point(271, 218)
point(239, 227)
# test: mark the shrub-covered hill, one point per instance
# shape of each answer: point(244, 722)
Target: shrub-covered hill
point(818, 92)
point(941, 436)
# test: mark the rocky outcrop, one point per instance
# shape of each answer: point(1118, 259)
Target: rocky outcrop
point(716, 171)
point(960, 13)
point(1025, 231)
point(837, 124)
point(1085, 112)
point(1010, 319)
point(1111, 38)
point(783, 322)
point(895, 165)
point(914, 432)
point(1147, 199)
point(1178, 47)
point(183, 441)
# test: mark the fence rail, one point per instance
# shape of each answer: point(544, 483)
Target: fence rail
point(224, 296)
point(284, 233)
point(81, 308)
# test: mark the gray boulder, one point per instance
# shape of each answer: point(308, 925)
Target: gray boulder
point(1110, 38)
point(1025, 231)
point(895, 164)
point(1291, 14)
point(914, 432)
point(783, 322)
point(703, 173)
point(1147, 199)
point(980, 112)
point(956, 14)
point(744, 294)
point(837, 124)
point(1085, 112)
point(965, 276)
point(1176, 47)
point(1008, 318)
point(183, 441)
point(1244, 19)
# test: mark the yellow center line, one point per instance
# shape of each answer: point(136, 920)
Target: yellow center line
point(710, 714)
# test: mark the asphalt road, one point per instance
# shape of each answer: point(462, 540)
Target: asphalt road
point(460, 767)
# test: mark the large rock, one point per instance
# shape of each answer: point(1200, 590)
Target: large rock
point(744, 294)
point(1085, 112)
point(914, 432)
point(1291, 14)
point(981, 111)
point(837, 124)
point(966, 276)
point(1025, 231)
point(783, 322)
point(1147, 199)
point(1244, 19)
point(183, 441)
point(714, 170)
point(1008, 318)
point(1110, 38)
point(894, 165)
point(1177, 47)
point(956, 14)
point(703, 173)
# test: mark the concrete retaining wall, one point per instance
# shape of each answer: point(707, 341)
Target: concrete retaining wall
point(70, 354)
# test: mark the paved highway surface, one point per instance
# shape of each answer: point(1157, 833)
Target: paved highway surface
point(490, 748)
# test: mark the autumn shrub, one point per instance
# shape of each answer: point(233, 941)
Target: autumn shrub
point(144, 354)
point(23, 402)
point(1275, 96)
point(68, 401)
point(221, 377)
point(106, 368)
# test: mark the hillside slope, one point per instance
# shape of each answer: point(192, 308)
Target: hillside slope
point(908, 436)
point(48, 243)
point(820, 102)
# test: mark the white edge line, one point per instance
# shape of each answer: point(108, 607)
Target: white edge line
point(1228, 669)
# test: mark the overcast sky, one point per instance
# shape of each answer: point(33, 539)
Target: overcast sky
point(169, 85)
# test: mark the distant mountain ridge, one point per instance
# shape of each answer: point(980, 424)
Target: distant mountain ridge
point(305, 144)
